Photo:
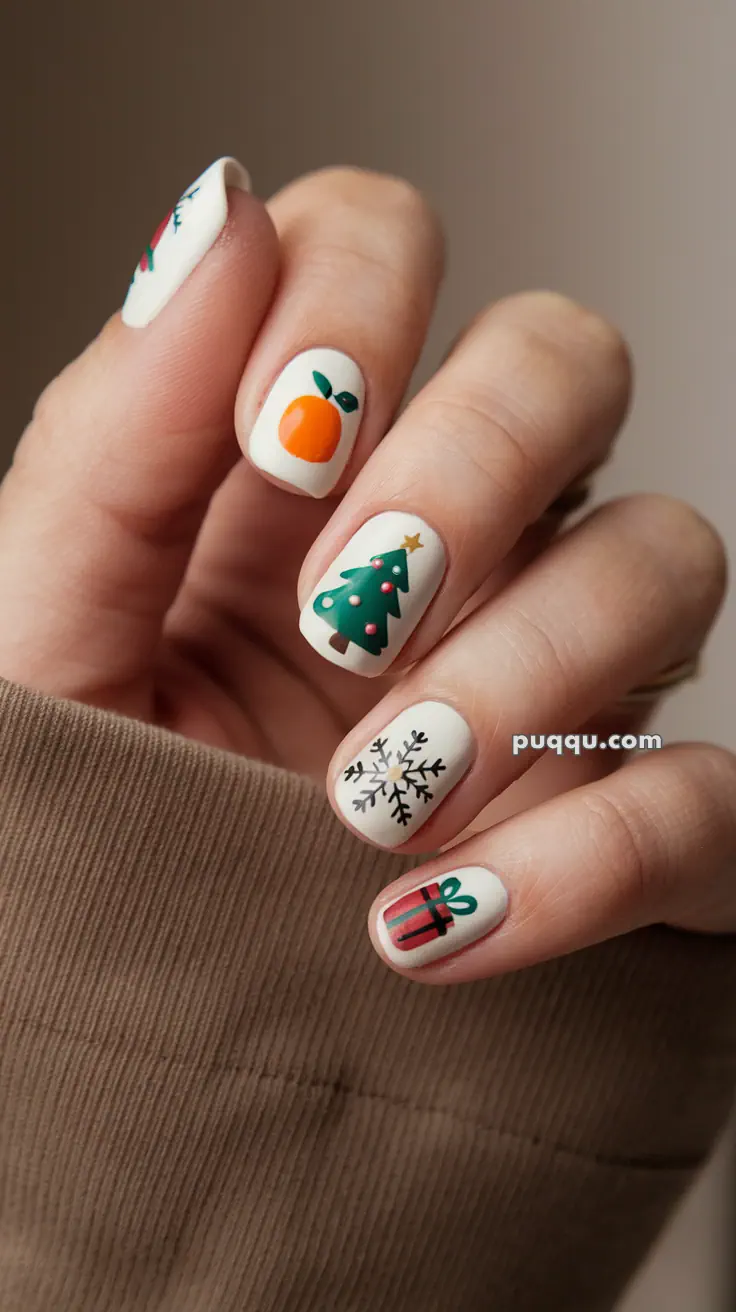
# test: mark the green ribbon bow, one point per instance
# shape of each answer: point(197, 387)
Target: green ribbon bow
point(460, 904)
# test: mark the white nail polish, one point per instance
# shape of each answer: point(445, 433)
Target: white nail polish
point(433, 920)
point(374, 594)
point(390, 789)
point(309, 422)
point(181, 241)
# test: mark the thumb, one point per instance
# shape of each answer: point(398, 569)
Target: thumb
point(113, 476)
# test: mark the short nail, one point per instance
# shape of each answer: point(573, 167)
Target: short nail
point(374, 594)
point(181, 240)
point(390, 789)
point(436, 919)
point(307, 427)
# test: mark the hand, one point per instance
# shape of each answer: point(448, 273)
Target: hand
point(150, 570)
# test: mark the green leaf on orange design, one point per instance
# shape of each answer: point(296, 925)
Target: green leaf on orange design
point(347, 401)
point(324, 384)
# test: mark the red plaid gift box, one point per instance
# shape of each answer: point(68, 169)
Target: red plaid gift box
point(427, 913)
point(417, 918)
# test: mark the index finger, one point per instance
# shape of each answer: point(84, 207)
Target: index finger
point(362, 261)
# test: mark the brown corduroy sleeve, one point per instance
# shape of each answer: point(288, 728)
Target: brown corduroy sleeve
point(215, 1098)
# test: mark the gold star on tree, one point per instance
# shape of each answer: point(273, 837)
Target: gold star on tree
point(412, 544)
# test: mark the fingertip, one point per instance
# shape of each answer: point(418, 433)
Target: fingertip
point(431, 919)
point(217, 213)
point(183, 348)
point(299, 426)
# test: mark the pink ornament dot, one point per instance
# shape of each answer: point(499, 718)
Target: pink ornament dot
point(354, 599)
point(387, 587)
point(377, 564)
point(370, 629)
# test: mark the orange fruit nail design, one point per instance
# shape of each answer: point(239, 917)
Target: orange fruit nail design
point(311, 427)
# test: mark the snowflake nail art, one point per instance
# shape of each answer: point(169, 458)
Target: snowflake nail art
point(401, 783)
point(392, 787)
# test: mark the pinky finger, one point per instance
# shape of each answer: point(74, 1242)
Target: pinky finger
point(655, 842)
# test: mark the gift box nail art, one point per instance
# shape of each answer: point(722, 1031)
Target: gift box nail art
point(441, 916)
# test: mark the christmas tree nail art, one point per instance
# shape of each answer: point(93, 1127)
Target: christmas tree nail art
point(309, 421)
point(359, 611)
point(367, 604)
point(441, 916)
point(395, 783)
point(181, 240)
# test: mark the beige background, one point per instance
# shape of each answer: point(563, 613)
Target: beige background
point(573, 143)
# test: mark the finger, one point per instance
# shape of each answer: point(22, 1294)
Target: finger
point(633, 589)
point(362, 260)
point(567, 763)
point(114, 474)
point(533, 395)
point(655, 842)
point(234, 612)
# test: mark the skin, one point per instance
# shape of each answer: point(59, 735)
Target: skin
point(147, 568)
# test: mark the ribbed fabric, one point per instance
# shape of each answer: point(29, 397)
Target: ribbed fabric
point(215, 1098)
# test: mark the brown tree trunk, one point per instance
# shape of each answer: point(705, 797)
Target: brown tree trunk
point(339, 642)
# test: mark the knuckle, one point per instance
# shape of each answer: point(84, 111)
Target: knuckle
point(383, 195)
point(490, 440)
point(38, 441)
point(558, 370)
point(706, 547)
point(699, 782)
point(540, 656)
point(71, 399)
point(74, 390)
point(572, 327)
point(672, 515)
point(401, 197)
point(364, 188)
point(618, 841)
point(716, 766)
point(379, 223)
point(685, 543)
point(49, 406)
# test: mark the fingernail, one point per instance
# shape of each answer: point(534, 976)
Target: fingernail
point(375, 593)
point(392, 786)
point(181, 241)
point(436, 919)
point(309, 422)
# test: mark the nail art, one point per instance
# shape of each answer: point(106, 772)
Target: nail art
point(375, 593)
point(309, 421)
point(181, 241)
point(436, 919)
point(393, 785)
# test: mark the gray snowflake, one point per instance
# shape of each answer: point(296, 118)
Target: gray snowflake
point(398, 777)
